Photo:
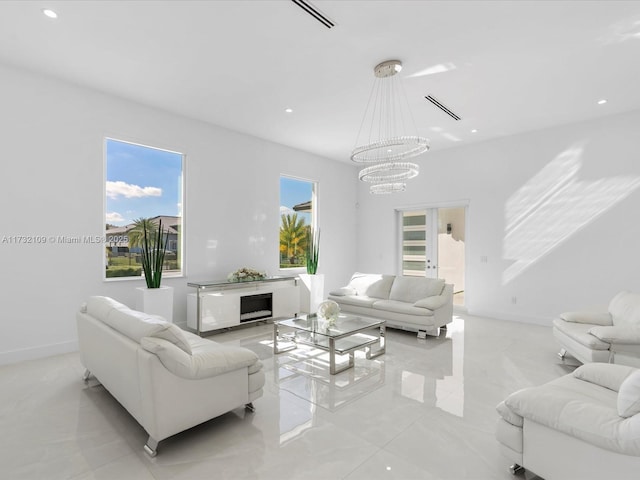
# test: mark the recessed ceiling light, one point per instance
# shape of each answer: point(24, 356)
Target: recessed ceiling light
point(49, 13)
point(602, 102)
point(288, 110)
point(474, 131)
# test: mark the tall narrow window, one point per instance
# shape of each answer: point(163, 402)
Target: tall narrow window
point(143, 185)
point(297, 218)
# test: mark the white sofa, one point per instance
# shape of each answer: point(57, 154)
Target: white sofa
point(611, 336)
point(411, 303)
point(169, 380)
point(585, 425)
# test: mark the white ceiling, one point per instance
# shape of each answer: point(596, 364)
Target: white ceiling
point(513, 66)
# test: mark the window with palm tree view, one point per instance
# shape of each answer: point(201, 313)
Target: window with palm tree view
point(297, 217)
point(143, 191)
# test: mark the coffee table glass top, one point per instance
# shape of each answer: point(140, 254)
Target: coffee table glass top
point(345, 324)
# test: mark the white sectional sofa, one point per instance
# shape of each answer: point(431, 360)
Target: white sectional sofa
point(585, 425)
point(169, 380)
point(411, 303)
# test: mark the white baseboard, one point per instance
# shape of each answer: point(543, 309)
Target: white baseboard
point(15, 356)
point(514, 317)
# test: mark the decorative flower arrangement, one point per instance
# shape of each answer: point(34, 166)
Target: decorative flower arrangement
point(329, 310)
point(245, 274)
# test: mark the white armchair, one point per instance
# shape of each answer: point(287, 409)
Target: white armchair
point(612, 336)
point(583, 425)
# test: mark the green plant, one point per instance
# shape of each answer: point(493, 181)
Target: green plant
point(313, 250)
point(293, 237)
point(154, 247)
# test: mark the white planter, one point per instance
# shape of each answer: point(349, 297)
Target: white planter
point(155, 301)
point(311, 292)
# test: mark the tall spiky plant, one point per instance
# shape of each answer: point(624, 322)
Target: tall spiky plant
point(313, 250)
point(154, 247)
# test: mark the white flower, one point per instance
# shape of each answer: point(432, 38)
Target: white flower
point(329, 310)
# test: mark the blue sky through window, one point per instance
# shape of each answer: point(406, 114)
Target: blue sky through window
point(141, 182)
point(294, 192)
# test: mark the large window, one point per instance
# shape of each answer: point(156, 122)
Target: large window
point(143, 185)
point(297, 217)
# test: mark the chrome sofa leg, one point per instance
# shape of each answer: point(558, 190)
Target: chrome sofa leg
point(434, 332)
point(515, 468)
point(562, 353)
point(249, 406)
point(86, 375)
point(151, 447)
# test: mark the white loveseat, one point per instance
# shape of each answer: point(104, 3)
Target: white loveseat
point(411, 303)
point(169, 380)
point(585, 425)
point(611, 336)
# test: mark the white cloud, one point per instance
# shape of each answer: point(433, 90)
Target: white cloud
point(114, 217)
point(120, 188)
point(285, 210)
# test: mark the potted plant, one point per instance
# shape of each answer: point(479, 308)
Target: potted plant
point(313, 251)
point(154, 299)
point(312, 291)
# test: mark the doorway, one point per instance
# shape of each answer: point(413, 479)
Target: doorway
point(433, 245)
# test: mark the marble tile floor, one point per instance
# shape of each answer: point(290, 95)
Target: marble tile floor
point(424, 410)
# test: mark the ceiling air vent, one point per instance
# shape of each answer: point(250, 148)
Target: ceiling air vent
point(315, 13)
point(443, 107)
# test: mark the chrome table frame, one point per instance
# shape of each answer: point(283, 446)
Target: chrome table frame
point(327, 342)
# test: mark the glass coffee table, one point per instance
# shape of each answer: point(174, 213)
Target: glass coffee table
point(350, 333)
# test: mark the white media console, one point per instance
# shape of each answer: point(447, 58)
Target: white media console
point(222, 304)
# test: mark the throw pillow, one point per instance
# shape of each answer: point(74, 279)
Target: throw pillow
point(629, 396)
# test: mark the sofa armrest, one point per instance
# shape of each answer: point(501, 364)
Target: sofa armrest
point(207, 359)
point(617, 335)
point(432, 303)
point(593, 318)
point(607, 375)
point(509, 415)
point(343, 292)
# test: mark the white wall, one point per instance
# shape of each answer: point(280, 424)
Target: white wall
point(554, 211)
point(53, 182)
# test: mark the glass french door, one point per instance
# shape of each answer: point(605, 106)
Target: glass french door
point(433, 245)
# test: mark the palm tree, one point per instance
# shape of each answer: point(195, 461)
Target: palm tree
point(293, 236)
point(136, 234)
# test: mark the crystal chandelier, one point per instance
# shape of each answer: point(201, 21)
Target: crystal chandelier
point(388, 143)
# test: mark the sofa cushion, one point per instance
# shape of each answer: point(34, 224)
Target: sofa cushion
point(579, 409)
point(625, 309)
point(175, 335)
point(135, 324)
point(412, 289)
point(606, 375)
point(629, 396)
point(371, 284)
point(580, 333)
point(99, 307)
point(432, 303)
point(356, 300)
point(401, 307)
point(207, 360)
point(594, 318)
